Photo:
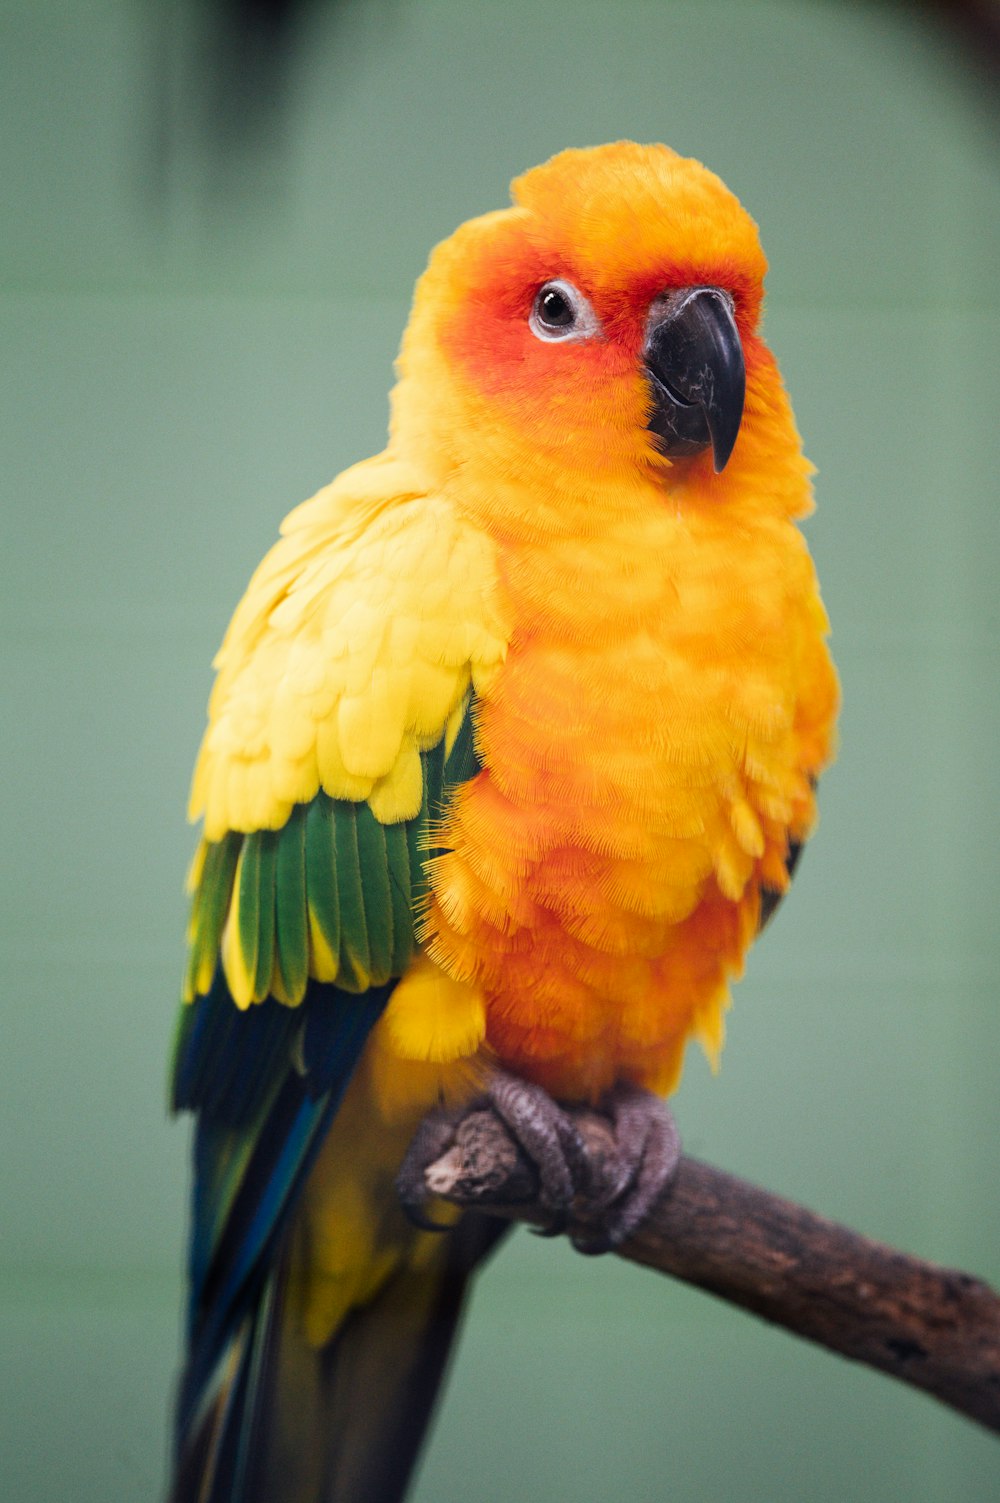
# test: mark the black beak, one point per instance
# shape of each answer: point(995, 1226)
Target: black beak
point(695, 370)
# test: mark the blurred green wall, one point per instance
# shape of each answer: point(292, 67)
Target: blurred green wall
point(189, 350)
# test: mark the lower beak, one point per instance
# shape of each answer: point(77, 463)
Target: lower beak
point(695, 372)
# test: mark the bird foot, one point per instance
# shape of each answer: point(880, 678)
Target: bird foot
point(644, 1159)
point(431, 1141)
point(549, 1139)
point(602, 1192)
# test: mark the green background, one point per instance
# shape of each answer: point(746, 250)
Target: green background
point(192, 347)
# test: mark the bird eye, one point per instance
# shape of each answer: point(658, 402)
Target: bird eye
point(554, 309)
point(561, 312)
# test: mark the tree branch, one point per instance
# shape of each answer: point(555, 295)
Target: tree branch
point(932, 1327)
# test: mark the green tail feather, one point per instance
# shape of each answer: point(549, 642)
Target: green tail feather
point(343, 1423)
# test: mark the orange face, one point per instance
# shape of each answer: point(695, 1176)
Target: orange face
point(615, 231)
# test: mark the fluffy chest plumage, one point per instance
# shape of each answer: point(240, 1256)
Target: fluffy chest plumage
point(642, 769)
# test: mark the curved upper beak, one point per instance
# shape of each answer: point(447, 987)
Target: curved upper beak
point(695, 371)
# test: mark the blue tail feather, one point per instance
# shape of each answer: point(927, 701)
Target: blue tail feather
point(265, 1105)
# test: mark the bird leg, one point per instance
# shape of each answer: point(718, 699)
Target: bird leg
point(605, 1195)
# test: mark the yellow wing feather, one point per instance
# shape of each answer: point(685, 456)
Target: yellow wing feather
point(356, 641)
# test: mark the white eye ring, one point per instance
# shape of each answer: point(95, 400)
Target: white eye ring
point(560, 312)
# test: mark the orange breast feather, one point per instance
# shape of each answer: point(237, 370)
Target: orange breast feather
point(649, 750)
point(651, 741)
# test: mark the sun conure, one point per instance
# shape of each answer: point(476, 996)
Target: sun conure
point(513, 743)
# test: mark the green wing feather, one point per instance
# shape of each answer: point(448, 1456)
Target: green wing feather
point(322, 894)
point(397, 859)
point(334, 894)
point(267, 850)
point(208, 915)
point(355, 955)
point(291, 922)
point(376, 893)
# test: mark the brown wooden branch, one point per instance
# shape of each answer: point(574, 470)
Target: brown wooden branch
point(934, 1328)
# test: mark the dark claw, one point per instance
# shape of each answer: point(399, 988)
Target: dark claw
point(551, 1141)
point(649, 1150)
point(556, 1227)
point(606, 1200)
point(433, 1137)
point(593, 1247)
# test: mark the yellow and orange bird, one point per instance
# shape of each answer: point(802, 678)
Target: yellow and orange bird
point(514, 740)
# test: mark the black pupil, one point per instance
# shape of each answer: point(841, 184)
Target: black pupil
point(554, 309)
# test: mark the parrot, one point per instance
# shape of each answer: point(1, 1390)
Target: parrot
point(512, 747)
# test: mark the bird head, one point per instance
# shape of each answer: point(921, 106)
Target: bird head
point(604, 325)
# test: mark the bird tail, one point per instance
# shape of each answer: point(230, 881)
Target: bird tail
point(284, 1421)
